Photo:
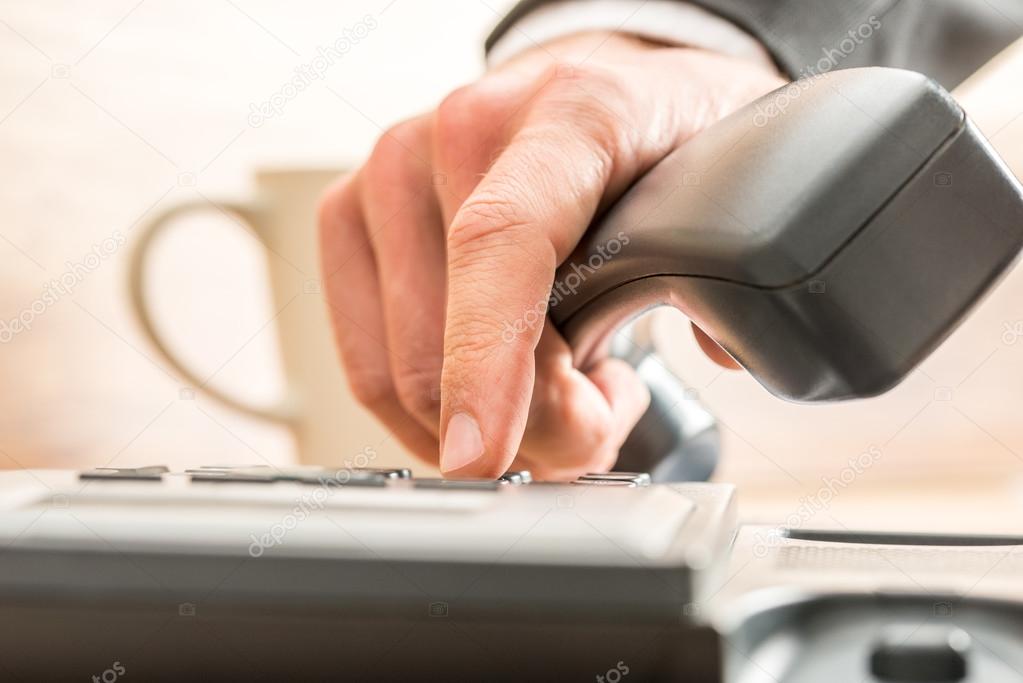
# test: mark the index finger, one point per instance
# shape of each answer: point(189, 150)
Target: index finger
point(504, 245)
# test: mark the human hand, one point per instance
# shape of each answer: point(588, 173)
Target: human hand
point(454, 228)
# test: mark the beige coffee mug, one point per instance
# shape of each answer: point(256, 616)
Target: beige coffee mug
point(328, 426)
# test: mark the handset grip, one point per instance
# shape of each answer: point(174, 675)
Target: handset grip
point(828, 236)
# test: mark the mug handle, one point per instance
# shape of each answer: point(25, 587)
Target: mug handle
point(284, 410)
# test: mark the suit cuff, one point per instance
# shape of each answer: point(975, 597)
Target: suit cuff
point(664, 21)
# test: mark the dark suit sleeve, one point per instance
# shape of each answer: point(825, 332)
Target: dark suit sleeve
point(945, 39)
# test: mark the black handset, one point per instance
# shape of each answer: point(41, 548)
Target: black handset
point(828, 236)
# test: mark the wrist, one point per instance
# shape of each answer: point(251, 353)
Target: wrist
point(617, 48)
point(583, 46)
point(662, 22)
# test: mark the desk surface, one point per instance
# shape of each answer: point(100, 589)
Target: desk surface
point(978, 505)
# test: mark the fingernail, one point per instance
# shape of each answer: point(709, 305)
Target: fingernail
point(463, 443)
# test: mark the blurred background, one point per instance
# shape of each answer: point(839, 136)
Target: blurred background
point(112, 112)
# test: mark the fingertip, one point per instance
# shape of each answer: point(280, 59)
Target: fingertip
point(463, 444)
point(466, 453)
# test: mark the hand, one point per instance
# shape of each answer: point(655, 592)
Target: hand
point(454, 227)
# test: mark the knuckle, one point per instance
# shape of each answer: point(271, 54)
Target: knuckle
point(484, 209)
point(563, 420)
point(418, 389)
point(471, 340)
point(462, 107)
point(464, 122)
point(581, 83)
point(584, 95)
point(371, 389)
point(602, 432)
point(339, 226)
point(577, 73)
point(392, 157)
point(573, 417)
point(333, 202)
point(491, 219)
